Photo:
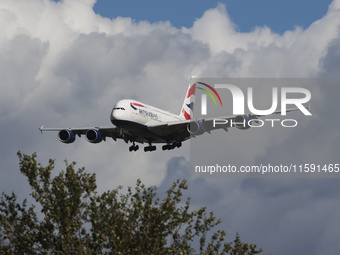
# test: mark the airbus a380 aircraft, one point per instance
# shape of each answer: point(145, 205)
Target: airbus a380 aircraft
point(137, 122)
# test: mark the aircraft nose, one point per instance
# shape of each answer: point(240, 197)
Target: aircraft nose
point(117, 113)
point(114, 114)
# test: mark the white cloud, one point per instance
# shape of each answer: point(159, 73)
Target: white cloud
point(262, 53)
point(217, 30)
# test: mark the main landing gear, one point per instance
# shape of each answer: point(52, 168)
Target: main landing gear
point(171, 146)
point(150, 148)
point(133, 147)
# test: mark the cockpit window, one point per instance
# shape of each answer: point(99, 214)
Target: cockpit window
point(119, 108)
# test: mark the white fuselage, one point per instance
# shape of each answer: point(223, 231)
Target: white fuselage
point(129, 110)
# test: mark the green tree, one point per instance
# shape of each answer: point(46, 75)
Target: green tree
point(75, 219)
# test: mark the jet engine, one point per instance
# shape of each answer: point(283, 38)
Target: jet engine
point(241, 122)
point(66, 136)
point(94, 136)
point(196, 128)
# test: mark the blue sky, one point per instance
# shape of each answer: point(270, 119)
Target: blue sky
point(279, 15)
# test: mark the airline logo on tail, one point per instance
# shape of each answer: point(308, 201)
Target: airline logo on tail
point(188, 106)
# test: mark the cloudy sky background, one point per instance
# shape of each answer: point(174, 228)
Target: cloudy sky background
point(64, 64)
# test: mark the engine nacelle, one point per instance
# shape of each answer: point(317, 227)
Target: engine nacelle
point(66, 136)
point(241, 122)
point(196, 128)
point(94, 136)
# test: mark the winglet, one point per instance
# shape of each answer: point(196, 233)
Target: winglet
point(41, 128)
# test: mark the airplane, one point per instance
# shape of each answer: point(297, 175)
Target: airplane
point(137, 122)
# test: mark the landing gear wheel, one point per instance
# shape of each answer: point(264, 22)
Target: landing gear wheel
point(150, 148)
point(133, 147)
point(168, 147)
point(171, 146)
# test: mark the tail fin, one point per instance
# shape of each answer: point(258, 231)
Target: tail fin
point(187, 110)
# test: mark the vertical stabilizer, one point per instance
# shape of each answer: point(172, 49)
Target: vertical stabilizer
point(187, 111)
